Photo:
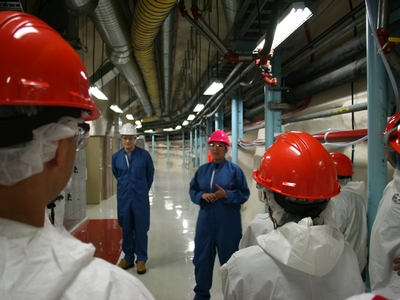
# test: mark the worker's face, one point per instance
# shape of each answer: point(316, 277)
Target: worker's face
point(128, 142)
point(218, 151)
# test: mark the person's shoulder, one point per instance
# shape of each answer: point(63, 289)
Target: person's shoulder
point(116, 282)
point(117, 152)
point(232, 165)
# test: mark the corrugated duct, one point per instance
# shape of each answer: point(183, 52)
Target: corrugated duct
point(147, 20)
point(109, 19)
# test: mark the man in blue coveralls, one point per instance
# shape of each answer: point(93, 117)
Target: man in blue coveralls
point(134, 170)
point(219, 187)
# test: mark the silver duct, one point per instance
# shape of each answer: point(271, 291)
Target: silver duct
point(231, 8)
point(114, 28)
point(167, 35)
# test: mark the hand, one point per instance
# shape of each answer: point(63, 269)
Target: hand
point(396, 266)
point(221, 193)
point(209, 197)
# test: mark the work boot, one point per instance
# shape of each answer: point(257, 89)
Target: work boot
point(141, 267)
point(124, 264)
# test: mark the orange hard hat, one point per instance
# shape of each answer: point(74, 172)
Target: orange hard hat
point(343, 164)
point(40, 68)
point(297, 165)
point(392, 133)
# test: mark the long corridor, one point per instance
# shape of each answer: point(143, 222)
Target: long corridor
point(170, 272)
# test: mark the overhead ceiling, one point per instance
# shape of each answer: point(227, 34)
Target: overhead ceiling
point(156, 58)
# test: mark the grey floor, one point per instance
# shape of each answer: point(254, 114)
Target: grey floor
point(170, 274)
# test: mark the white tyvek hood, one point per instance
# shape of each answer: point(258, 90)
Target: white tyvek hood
point(356, 187)
point(312, 249)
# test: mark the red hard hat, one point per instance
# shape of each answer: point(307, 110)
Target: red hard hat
point(343, 164)
point(219, 136)
point(392, 132)
point(297, 165)
point(39, 67)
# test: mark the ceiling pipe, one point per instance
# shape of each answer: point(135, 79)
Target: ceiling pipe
point(231, 9)
point(266, 53)
point(205, 31)
point(111, 23)
point(326, 37)
point(331, 59)
point(81, 8)
point(167, 36)
point(328, 113)
point(341, 136)
point(147, 20)
point(340, 76)
point(232, 86)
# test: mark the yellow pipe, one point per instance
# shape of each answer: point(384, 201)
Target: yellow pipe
point(147, 20)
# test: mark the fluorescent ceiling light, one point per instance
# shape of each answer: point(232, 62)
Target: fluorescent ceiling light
point(198, 107)
point(215, 87)
point(185, 123)
point(116, 109)
point(292, 19)
point(139, 126)
point(138, 122)
point(149, 131)
point(129, 117)
point(190, 117)
point(168, 129)
point(94, 91)
point(178, 127)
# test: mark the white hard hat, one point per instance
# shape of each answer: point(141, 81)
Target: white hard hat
point(128, 129)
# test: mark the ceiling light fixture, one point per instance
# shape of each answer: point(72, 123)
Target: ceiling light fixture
point(115, 108)
point(214, 88)
point(94, 91)
point(292, 19)
point(185, 123)
point(190, 117)
point(129, 117)
point(198, 107)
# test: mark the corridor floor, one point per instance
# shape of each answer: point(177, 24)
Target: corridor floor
point(170, 272)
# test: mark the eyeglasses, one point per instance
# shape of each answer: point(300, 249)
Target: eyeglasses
point(82, 136)
point(125, 138)
point(264, 194)
point(217, 146)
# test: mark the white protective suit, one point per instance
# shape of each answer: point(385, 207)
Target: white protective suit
point(261, 224)
point(350, 216)
point(385, 242)
point(368, 296)
point(294, 262)
point(49, 263)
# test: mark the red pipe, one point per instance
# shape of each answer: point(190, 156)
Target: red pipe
point(341, 136)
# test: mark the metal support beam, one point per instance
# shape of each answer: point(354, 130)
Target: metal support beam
point(377, 118)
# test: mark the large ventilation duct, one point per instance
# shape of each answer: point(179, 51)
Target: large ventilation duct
point(111, 23)
point(147, 20)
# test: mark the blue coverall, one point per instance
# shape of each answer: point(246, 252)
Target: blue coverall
point(219, 225)
point(134, 174)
